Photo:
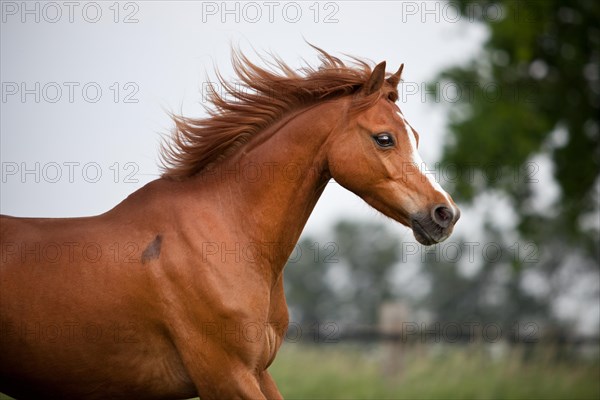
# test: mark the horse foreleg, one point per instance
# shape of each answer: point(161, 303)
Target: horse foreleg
point(268, 386)
point(227, 382)
point(219, 371)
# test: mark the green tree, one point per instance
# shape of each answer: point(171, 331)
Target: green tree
point(534, 89)
point(368, 252)
point(308, 294)
point(344, 280)
point(493, 294)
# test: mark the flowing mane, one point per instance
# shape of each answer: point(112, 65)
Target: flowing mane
point(261, 96)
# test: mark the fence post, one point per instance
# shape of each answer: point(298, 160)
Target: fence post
point(392, 318)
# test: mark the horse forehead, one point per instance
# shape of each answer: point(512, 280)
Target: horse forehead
point(400, 115)
point(410, 133)
point(383, 113)
point(399, 118)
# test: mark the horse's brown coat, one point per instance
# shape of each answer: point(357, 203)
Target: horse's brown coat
point(178, 290)
point(153, 250)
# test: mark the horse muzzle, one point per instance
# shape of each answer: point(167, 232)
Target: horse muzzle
point(436, 225)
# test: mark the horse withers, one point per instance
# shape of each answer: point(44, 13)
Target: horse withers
point(178, 290)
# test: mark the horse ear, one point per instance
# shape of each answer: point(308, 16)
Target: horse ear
point(376, 79)
point(395, 79)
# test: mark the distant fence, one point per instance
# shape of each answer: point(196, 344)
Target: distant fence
point(394, 345)
point(398, 326)
point(443, 333)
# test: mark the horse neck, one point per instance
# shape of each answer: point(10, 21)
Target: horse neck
point(270, 186)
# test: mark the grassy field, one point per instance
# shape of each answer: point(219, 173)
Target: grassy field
point(343, 372)
point(348, 372)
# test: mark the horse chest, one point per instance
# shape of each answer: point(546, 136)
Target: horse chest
point(277, 324)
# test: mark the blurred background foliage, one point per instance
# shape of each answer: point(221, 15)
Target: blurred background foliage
point(536, 92)
point(536, 98)
point(345, 279)
point(523, 132)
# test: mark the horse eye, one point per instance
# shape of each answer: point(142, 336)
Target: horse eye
point(384, 140)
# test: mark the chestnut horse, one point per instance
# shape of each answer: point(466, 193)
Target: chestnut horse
point(178, 290)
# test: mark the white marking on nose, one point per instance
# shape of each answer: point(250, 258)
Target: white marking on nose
point(421, 166)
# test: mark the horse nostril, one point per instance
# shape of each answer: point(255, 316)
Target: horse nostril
point(442, 216)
